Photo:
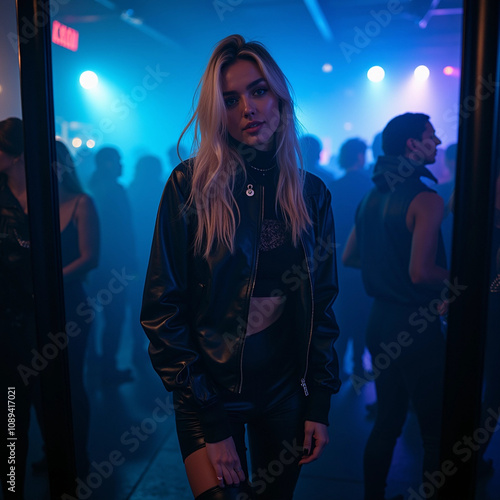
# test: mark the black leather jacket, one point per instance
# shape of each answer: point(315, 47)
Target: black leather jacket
point(195, 309)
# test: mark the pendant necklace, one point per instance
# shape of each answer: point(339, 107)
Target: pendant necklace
point(250, 191)
point(263, 170)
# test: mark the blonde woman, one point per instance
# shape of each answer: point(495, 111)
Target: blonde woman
point(240, 286)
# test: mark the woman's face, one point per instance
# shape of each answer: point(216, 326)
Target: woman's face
point(252, 109)
point(7, 162)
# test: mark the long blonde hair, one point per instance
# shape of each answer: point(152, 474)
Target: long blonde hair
point(216, 159)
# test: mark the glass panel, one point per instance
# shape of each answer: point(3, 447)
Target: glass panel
point(485, 438)
point(121, 412)
point(19, 368)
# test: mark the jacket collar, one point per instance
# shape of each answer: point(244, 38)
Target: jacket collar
point(252, 156)
point(388, 168)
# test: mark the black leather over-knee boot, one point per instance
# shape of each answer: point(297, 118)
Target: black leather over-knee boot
point(215, 493)
point(241, 492)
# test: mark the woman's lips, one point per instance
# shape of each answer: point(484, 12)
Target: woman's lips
point(253, 127)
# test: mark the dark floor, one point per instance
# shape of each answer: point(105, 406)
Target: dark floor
point(136, 421)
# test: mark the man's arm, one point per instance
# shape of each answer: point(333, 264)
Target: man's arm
point(423, 219)
point(351, 257)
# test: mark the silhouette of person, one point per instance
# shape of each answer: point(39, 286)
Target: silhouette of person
point(84, 165)
point(397, 243)
point(352, 305)
point(377, 151)
point(144, 193)
point(117, 261)
point(174, 157)
point(310, 148)
point(17, 321)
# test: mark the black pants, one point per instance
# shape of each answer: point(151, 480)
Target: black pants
point(408, 356)
point(270, 407)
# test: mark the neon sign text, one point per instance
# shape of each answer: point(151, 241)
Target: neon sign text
point(64, 36)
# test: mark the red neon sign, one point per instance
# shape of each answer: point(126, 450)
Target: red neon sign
point(64, 36)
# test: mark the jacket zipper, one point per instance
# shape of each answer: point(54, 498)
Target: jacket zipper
point(254, 278)
point(303, 379)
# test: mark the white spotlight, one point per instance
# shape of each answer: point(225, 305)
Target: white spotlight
point(88, 80)
point(376, 74)
point(421, 73)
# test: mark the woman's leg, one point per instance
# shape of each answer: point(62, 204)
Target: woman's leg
point(201, 475)
point(276, 440)
point(199, 470)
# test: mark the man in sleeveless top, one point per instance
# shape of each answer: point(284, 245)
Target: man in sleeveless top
point(398, 245)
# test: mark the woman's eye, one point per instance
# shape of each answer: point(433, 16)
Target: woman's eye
point(260, 91)
point(230, 102)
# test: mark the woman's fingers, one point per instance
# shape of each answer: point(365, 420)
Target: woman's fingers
point(315, 440)
point(220, 478)
point(226, 462)
point(231, 476)
point(241, 474)
point(308, 441)
point(235, 473)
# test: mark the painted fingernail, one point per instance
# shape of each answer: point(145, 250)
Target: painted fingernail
point(305, 453)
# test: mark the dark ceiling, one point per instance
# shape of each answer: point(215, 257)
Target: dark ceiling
point(433, 22)
point(120, 39)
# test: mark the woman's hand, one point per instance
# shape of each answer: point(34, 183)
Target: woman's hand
point(315, 439)
point(226, 462)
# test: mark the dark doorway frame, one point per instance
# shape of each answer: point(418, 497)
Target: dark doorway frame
point(34, 41)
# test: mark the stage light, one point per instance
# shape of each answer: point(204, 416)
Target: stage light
point(348, 126)
point(76, 142)
point(327, 68)
point(88, 80)
point(376, 74)
point(421, 73)
point(90, 143)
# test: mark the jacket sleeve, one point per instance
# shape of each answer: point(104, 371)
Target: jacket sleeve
point(165, 310)
point(323, 373)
